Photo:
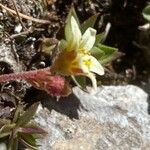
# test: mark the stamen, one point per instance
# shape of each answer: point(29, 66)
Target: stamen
point(84, 52)
point(88, 62)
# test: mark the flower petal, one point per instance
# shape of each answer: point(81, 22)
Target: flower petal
point(96, 67)
point(82, 63)
point(93, 80)
point(88, 39)
point(90, 64)
point(72, 33)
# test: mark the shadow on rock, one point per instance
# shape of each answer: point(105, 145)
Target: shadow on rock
point(146, 88)
point(66, 105)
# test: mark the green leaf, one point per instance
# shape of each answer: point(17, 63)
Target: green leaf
point(146, 13)
point(99, 38)
point(14, 144)
point(7, 129)
point(107, 49)
point(88, 23)
point(80, 81)
point(111, 53)
point(4, 122)
point(2, 135)
point(97, 52)
point(27, 116)
point(18, 111)
point(32, 129)
point(29, 141)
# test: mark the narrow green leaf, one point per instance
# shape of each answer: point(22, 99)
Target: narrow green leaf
point(32, 129)
point(29, 141)
point(97, 52)
point(88, 23)
point(80, 81)
point(6, 129)
point(2, 135)
point(18, 111)
point(27, 116)
point(146, 13)
point(108, 59)
point(15, 144)
point(107, 49)
point(111, 53)
point(99, 38)
point(4, 122)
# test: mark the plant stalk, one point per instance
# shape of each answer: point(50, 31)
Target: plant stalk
point(22, 75)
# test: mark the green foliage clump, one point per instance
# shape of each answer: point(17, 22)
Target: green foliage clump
point(20, 129)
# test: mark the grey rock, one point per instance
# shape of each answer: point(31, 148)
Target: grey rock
point(9, 57)
point(3, 146)
point(114, 117)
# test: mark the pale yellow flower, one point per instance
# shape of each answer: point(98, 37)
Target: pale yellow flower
point(75, 58)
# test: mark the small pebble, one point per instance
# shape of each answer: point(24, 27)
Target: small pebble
point(18, 28)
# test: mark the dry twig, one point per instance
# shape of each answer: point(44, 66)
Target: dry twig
point(17, 12)
point(25, 16)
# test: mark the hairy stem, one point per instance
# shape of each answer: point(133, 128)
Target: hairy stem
point(22, 75)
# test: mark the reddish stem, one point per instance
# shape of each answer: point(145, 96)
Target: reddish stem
point(41, 79)
point(22, 75)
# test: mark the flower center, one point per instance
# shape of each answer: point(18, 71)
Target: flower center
point(84, 52)
point(88, 63)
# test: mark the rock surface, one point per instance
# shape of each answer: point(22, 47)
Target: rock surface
point(115, 117)
point(9, 57)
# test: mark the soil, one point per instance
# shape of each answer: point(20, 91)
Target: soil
point(22, 52)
